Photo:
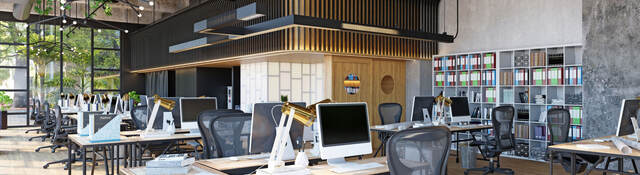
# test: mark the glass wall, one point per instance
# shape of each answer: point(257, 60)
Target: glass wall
point(13, 70)
point(90, 64)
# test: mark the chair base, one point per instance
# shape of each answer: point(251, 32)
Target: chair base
point(37, 131)
point(42, 137)
point(487, 170)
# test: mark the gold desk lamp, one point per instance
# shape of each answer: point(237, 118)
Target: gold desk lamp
point(304, 115)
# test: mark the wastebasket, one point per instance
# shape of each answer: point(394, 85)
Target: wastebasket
point(467, 155)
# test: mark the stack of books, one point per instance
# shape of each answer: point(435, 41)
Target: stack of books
point(169, 164)
point(539, 77)
point(540, 99)
point(555, 76)
point(573, 75)
point(538, 58)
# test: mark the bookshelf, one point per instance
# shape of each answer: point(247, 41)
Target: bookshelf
point(532, 80)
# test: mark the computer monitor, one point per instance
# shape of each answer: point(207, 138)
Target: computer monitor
point(191, 108)
point(113, 107)
point(264, 120)
point(343, 131)
point(420, 105)
point(176, 112)
point(628, 109)
point(460, 110)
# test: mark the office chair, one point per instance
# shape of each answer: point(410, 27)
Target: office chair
point(60, 132)
point(139, 117)
point(35, 116)
point(228, 132)
point(48, 123)
point(205, 120)
point(389, 113)
point(559, 123)
point(419, 151)
point(502, 140)
point(60, 139)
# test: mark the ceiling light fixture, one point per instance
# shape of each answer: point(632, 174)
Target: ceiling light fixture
point(151, 3)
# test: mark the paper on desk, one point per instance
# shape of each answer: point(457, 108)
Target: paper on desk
point(621, 146)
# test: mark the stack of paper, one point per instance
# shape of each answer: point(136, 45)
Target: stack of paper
point(169, 164)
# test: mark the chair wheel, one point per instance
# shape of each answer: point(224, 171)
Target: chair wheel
point(45, 166)
point(53, 150)
point(38, 150)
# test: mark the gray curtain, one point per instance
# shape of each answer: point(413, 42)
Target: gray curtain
point(158, 83)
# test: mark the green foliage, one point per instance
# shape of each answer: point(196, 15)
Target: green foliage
point(133, 95)
point(284, 98)
point(45, 8)
point(5, 101)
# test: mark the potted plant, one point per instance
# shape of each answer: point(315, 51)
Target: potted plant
point(134, 97)
point(284, 98)
point(5, 104)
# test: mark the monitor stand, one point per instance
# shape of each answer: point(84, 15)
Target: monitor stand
point(337, 161)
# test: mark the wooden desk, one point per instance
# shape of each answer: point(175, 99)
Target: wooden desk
point(244, 165)
point(130, 143)
point(193, 170)
point(573, 149)
point(325, 168)
point(137, 132)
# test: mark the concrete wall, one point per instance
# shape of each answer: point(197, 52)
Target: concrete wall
point(508, 24)
point(611, 50)
point(418, 81)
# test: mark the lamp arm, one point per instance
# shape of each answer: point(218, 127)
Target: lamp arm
point(279, 143)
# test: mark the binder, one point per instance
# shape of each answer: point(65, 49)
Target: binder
point(579, 74)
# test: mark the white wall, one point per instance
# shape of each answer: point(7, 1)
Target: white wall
point(266, 81)
point(509, 24)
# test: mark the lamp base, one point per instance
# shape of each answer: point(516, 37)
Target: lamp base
point(284, 170)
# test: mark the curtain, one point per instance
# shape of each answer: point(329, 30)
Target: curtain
point(158, 83)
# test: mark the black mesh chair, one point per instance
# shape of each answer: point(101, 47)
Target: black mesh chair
point(48, 122)
point(205, 121)
point(559, 123)
point(390, 113)
point(231, 134)
point(60, 138)
point(419, 151)
point(139, 117)
point(502, 140)
point(35, 116)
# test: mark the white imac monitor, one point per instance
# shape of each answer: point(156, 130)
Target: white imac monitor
point(628, 109)
point(343, 131)
point(460, 110)
point(191, 107)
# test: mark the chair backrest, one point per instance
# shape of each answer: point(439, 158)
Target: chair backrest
point(502, 124)
point(558, 122)
point(390, 113)
point(231, 134)
point(205, 119)
point(58, 115)
point(140, 117)
point(419, 151)
point(46, 112)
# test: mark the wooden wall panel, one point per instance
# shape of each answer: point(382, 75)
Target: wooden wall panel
point(370, 71)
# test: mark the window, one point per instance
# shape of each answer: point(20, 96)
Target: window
point(106, 61)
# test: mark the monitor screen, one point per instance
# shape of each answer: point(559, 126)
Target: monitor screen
point(459, 107)
point(265, 119)
point(629, 109)
point(343, 124)
point(191, 107)
point(419, 104)
point(112, 107)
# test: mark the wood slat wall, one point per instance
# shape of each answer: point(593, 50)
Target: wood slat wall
point(150, 45)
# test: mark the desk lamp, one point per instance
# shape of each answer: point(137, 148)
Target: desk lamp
point(442, 102)
point(86, 106)
point(305, 116)
point(104, 99)
point(72, 100)
point(63, 96)
point(125, 103)
point(168, 116)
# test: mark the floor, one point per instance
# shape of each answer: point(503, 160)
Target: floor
point(17, 156)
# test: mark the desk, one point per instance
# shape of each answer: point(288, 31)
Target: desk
point(572, 148)
point(128, 142)
point(386, 133)
point(137, 132)
point(244, 165)
point(324, 168)
point(193, 170)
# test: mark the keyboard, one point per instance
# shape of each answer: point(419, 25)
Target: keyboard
point(355, 167)
point(192, 134)
point(154, 134)
point(258, 156)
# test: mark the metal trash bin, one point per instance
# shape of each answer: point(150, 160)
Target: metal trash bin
point(468, 155)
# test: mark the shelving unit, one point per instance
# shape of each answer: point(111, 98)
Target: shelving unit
point(532, 80)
